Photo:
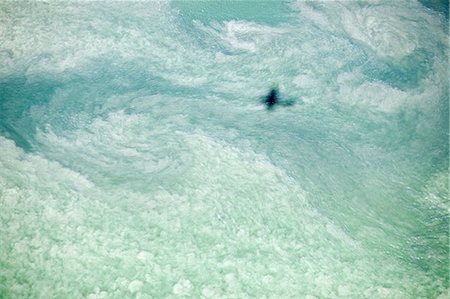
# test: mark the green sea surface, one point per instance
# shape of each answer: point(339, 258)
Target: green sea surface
point(138, 161)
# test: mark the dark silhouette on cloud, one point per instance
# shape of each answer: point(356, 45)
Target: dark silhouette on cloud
point(273, 98)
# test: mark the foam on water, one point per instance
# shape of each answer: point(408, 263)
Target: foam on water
point(136, 160)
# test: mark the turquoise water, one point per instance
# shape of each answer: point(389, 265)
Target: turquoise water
point(137, 161)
